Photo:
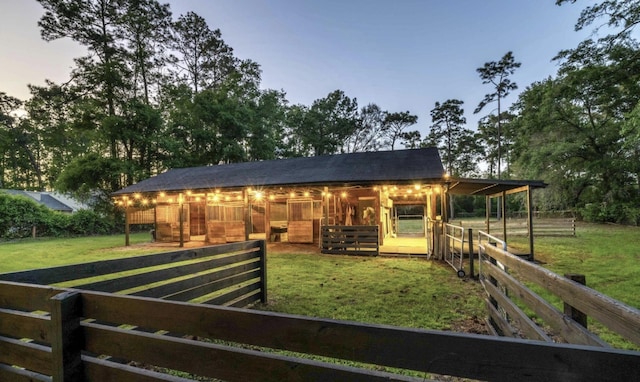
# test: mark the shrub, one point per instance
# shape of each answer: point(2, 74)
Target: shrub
point(19, 214)
point(87, 222)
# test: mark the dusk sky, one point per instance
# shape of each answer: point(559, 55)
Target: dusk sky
point(402, 55)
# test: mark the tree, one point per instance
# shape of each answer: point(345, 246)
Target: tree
point(447, 129)
point(146, 31)
point(328, 123)
point(623, 15)
point(267, 127)
point(497, 74)
point(395, 123)
point(369, 134)
point(204, 60)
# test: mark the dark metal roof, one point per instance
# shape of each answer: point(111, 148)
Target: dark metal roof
point(462, 186)
point(43, 198)
point(344, 169)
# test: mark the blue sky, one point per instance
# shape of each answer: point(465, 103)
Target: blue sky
point(402, 54)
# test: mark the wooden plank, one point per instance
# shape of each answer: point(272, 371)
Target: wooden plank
point(24, 325)
point(14, 374)
point(619, 317)
point(566, 328)
point(246, 300)
point(517, 316)
point(233, 294)
point(214, 286)
point(79, 271)
point(500, 323)
point(300, 231)
point(191, 282)
point(456, 354)
point(216, 232)
point(36, 358)
point(25, 297)
point(217, 361)
point(133, 281)
point(234, 231)
point(103, 370)
point(66, 337)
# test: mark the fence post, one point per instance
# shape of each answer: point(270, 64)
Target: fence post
point(66, 337)
point(263, 270)
point(569, 310)
point(471, 269)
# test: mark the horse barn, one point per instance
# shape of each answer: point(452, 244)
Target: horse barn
point(342, 203)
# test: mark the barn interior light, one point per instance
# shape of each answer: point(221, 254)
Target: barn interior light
point(258, 195)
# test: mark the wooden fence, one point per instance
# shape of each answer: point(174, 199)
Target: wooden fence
point(351, 240)
point(519, 227)
point(229, 274)
point(53, 334)
point(503, 276)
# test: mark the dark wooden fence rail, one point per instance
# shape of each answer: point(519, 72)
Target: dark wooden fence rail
point(503, 275)
point(228, 274)
point(94, 336)
point(350, 239)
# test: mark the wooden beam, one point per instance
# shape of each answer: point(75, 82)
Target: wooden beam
point(530, 221)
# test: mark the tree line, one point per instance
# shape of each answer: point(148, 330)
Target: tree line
point(156, 91)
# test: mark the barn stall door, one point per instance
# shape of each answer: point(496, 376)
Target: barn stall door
point(300, 225)
point(215, 224)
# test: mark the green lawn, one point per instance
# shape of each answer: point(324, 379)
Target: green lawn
point(608, 256)
point(45, 252)
point(406, 292)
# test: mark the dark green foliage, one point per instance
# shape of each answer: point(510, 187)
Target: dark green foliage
point(19, 215)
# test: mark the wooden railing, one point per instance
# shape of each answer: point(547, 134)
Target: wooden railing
point(503, 275)
point(351, 240)
point(70, 335)
point(227, 274)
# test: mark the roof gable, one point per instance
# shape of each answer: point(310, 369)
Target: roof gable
point(354, 168)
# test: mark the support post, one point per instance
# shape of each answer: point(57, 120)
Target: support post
point(126, 225)
point(530, 222)
point(471, 267)
point(267, 219)
point(263, 271)
point(569, 310)
point(181, 218)
point(67, 341)
point(503, 203)
point(246, 209)
point(487, 204)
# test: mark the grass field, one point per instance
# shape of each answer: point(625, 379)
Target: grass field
point(397, 291)
point(608, 256)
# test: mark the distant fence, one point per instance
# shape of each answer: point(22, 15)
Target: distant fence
point(503, 275)
point(228, 274)
point(519, 227)
point(350, 240)
point(52, 334)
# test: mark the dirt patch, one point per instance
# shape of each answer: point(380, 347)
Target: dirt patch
point(292, 248)
point(475, 325)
